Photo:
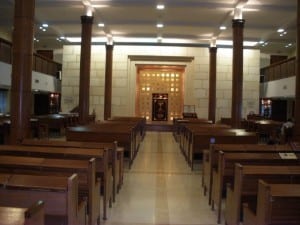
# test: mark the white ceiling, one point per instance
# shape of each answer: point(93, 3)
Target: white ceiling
point(186, 21)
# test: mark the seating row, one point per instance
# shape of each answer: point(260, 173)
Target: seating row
point(239, 171)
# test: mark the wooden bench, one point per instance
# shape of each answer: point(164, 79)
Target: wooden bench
point(202, 139)
point(210, 158)
point(276, 204)
point(32, 215)
point(89, 186)
point(60, 195)
point(141, 122)
point(103, 171)
point(137, 127)
point(224, 172)
point(179, 125)
point(187, 131)
point(100, 155)
point(244, 186)
point(123, 133)
point(56, 123)
point(115, 156)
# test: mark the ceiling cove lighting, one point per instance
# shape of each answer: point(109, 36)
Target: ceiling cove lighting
point(229, 43)
point(159, 39)
point(213, 42)
point(119, 39)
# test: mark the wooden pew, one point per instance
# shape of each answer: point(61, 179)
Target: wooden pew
point(141, 122)
point(137, 127)
point(179, 125)
point(32, 215)
point(210, 158)
point(244, 186)
point(225, 170)
point(276, 204)
point(187, 132)
point(89, 186)
point(112, 159)
point(202, 139)
point(60, 195)
point(123, 133)
point(100, 155)
point(55, 122)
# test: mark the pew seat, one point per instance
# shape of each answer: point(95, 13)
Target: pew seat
point(245, 185)
point(115, 155)
point(224, 173)
point(19, 190)
point(277, 204)
point(31, 215)
point(88, 186)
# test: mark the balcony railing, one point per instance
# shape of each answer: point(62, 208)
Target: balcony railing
point(40, 63)
point(279, 70)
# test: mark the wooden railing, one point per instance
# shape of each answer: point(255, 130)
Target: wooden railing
point(276, 71)
point(40, 63)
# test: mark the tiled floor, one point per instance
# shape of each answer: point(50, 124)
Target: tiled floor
point(160, 188)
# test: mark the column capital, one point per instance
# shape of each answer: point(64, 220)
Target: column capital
point(238, 23)
point(109, 47)
point(87, 19)
point(213, 49)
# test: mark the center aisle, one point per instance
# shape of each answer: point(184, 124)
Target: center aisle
point(160, 188)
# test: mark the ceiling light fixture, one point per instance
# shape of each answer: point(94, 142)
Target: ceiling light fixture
point(222, 27)
point(280, 30)
point(160, 6)
point(101, 25)
point(289, 45)
point(160, 25)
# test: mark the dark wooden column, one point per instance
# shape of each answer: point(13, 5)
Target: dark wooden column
point(297, 94)
point(22, 52)
point(237, 73)
point(85, 67)
point(212, 84)
point(108, 81)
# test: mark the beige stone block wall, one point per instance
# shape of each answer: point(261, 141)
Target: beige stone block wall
point(196, 84)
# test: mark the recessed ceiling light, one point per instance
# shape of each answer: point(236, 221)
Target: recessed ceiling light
point(289, 45)
point(160, 6)
point(45, 25)
point(101, 24)
point(223, 27)
point(280, 30)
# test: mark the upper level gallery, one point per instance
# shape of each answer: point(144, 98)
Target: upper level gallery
point(278, 79)
point(46, 74)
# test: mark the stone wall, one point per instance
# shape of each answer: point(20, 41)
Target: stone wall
point(196, 84)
